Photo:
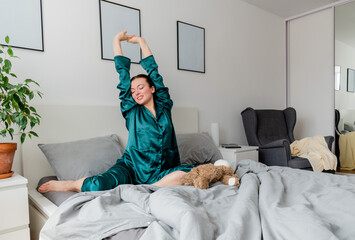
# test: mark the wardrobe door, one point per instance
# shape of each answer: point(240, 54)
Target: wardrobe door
point(310, 72)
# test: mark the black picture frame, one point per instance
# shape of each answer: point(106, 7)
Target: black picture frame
point(350, 80)
point(115, 18)
point(191, 44)
point(22, 34)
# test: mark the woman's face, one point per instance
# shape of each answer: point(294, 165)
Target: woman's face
point(141, 92)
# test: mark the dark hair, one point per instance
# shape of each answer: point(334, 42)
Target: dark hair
point(146, 77)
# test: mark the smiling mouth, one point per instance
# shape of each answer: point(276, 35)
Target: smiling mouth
point(139, 98)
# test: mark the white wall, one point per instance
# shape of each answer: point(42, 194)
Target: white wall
point(245, 58)
point(311, 73)
point(345, 58)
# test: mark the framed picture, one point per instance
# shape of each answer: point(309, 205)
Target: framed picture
point(190, 47)
point(337, 78)
point(115, 18)
point(351, 80)
point(21, 20)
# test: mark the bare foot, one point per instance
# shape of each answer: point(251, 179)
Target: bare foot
point(57, 186)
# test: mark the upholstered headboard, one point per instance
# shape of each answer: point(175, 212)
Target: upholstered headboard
point(70, 123)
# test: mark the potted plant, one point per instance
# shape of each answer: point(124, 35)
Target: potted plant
point(14, 109)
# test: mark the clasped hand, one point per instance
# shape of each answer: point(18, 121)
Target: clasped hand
point(122, 36)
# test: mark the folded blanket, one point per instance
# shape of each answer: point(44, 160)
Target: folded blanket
point(315, 149)
point(347, 151)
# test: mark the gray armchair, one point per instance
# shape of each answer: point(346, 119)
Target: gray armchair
point(272, 131)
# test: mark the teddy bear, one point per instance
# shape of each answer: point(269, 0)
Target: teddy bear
point(203, 175)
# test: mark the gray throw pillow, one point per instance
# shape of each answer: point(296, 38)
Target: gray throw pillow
point(83, 158)
point(197, 148)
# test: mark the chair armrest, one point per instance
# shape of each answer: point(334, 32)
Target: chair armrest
point(276, 144)
point(329, 140)
point(276, 153)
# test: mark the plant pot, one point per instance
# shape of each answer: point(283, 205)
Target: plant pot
point(7, 153)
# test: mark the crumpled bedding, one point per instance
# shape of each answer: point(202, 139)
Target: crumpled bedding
point(270, 203)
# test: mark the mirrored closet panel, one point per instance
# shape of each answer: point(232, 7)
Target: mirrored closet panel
point(344, 69)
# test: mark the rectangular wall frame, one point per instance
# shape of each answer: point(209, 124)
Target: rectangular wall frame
point(115, 18)
point(21, 20)
point(190, 47)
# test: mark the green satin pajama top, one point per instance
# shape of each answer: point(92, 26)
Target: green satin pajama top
point(151, 147)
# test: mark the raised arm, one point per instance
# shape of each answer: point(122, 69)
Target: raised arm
point(123, 65)
point(121, 36)
point(150, 66)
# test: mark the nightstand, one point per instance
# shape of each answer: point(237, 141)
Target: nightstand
point(14, 218)
point(235, 155)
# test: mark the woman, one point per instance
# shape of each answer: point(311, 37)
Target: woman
point(151, 155)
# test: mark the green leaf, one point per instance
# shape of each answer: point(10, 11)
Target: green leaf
point(10, 52)
point(8, 119)
point(33, 109)
point(31, 81)
point(23, 136)
point(23, 124)
point(15, 105)
point(1, 51)
point(7, 66)
point(6, 103)
point(31, 95)
point(12, 74)
point(20, 117)
point(1, 59)
point(11, 133)
point(6, 80)
point(7, 39)
point(3, 133)
point(33, 133)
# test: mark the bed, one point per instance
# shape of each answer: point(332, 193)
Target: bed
point(270, 203)
point(62, 123)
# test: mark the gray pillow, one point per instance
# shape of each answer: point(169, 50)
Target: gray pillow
point(197, 148)
point(83, 158)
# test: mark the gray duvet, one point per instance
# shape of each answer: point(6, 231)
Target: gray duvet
point(271, 203)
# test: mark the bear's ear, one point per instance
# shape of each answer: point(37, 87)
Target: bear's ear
point(222, 162)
